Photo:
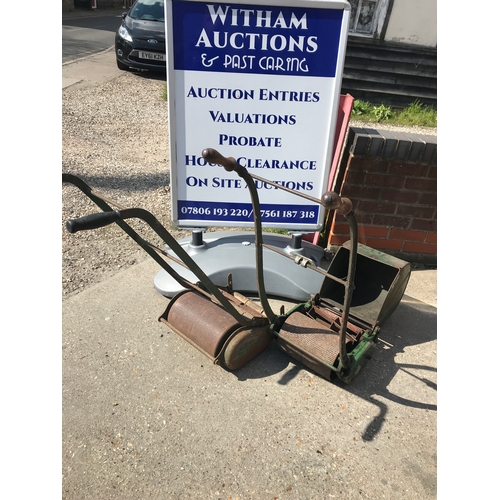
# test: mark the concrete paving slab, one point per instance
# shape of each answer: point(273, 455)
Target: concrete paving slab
point(67, 82)
point(146, 415)
point(90, 70)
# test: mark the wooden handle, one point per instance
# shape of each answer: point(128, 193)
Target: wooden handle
point(333, 201)
point(213, 156)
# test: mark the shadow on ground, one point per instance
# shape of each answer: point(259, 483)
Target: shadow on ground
point(127, 183)
point(413, 323)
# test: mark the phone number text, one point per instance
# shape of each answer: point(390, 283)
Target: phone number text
point(243, 212)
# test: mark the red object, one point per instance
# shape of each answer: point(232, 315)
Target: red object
point(346, 103)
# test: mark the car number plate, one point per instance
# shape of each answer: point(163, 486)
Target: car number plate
point(152, 56)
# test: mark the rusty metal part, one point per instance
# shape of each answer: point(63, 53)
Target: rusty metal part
point(249, 303)
point(203, 323)
point(349, 288)
point(312, 344)
point(246, 307)
point(333, 320)
point(213, 331)
point(242, 346)
point(305, 263)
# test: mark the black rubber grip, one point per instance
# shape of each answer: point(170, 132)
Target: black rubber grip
point(92, 221)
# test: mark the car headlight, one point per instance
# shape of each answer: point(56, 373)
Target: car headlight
point(123, 32)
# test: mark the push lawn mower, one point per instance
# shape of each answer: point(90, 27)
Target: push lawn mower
point(333, 333)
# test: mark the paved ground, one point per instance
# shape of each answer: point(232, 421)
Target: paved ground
point(88, 71)
point(145, 415)
point(97, 68)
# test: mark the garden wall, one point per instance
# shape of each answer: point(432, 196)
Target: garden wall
point(391, 178)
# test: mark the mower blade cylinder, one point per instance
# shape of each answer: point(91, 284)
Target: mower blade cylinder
point(307, 341)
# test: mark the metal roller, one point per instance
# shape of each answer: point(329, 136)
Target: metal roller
point(214, 331)
point(201, 322)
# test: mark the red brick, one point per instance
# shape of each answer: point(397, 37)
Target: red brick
point(413, 247)
point(431, 238)
point(416, 211)
point(361, 164)
point(401, 234)
point(408, 169)
point(432, 173)
point(424, 225)
point(339, 228)
point(378, 232)
point(385, 180)
point(380, 207)
point(381, 244)
point(355, 178)
point(428, 199)
point(360, 192)
point(364, 218)
point(379, 165)
point(399, 196)
point(337, 240)
point(391, 221)
point(420, 184)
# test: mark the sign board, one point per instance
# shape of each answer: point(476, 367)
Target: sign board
point(259, 81)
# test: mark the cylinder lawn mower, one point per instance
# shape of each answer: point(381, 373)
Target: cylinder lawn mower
point(333, 333)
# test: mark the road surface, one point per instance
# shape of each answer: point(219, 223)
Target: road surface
point(84, 35)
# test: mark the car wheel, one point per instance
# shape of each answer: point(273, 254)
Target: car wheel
point(121, 65)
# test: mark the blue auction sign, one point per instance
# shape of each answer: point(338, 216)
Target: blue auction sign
point(259, 81)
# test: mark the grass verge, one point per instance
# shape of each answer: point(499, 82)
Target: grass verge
point(415, 114)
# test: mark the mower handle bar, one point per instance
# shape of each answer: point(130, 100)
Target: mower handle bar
point(330, 200)
point(102, 219)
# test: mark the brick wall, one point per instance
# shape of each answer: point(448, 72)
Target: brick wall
point(391, 178)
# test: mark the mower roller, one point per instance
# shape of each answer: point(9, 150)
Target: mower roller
point(333, 333)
